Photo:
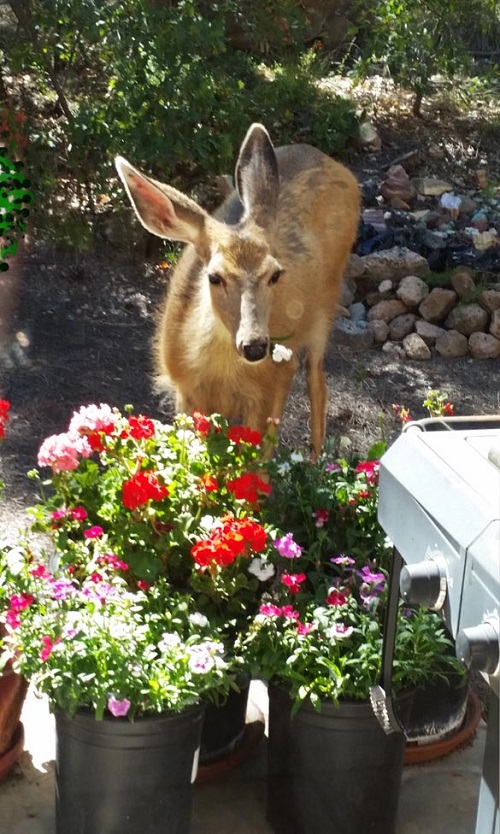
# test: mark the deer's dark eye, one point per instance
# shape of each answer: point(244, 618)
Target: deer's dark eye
point(275, 276)
point(215, 279)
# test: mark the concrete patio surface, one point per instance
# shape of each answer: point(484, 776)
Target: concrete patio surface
point(436, 798)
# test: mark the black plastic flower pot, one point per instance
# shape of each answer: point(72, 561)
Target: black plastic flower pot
point(224, 726)
point(118, 777)
point(334, 770)
point(438, 710)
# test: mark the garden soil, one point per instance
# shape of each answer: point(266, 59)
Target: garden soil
point(83, 334)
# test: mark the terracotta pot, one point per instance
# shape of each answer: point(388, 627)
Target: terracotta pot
point(13, 688)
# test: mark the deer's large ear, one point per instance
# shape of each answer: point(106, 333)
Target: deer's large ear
point(257, 177)
point(162, 210)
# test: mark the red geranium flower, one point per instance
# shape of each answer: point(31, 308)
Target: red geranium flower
point(201, 423)
point(247, 487)
point(244, 434)
point(141, 488)
point(140, 428)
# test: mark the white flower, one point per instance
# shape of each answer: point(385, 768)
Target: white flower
point(168, 641)
point(284, 468)
point(281, 353)
point(261, 569)
point(297, 457)
point(198, 619)
point(209, 523)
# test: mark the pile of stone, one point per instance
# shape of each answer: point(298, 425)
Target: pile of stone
point(386, 301)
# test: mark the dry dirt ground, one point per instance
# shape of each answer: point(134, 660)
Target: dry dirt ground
point(82, 327)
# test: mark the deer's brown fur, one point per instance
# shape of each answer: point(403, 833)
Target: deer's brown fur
point(276, 252)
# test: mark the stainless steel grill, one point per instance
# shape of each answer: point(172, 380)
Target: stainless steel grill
point(440, 506)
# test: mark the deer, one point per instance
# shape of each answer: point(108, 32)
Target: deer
point(265, 268)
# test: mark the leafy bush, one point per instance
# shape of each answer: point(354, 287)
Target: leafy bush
point(163, 85)
point(414, 41)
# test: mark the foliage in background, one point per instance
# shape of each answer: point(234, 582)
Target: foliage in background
point(414, 41)
point(164, 85)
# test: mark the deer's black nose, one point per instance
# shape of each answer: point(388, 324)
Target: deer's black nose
point(253, 351)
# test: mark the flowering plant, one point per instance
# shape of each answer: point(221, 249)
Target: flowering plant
point(320, 628)
point(90, 642)
point(152, 501)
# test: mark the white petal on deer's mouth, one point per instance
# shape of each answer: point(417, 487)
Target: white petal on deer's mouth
point(280, 353)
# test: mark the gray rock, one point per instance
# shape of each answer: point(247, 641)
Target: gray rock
point(452, 344)
point(380, 330)
point(392, 263)
point(436, 306)
point(357, 311)
point(354, 334)
point(467, 319)
point(484, 346)
point(431, 187)
point(401, 326)
point(428, 332)
point(387, 310)
point(490, 299)
point(415, 347)
point(495, 324)
point(385, 286)
point(463, 283)
point(346, 296)
point(394, 349)
point(355, 268)
point(412, 291)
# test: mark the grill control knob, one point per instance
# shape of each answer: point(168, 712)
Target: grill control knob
point(424, 583)
point(478, 647)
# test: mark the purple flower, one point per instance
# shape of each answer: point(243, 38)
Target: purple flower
point(333, 467)
point(343, 560)
point(371, 578)
point(287, 547)
point(62, 589)
point(118, 708)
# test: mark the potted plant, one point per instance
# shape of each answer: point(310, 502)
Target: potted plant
point(318, 640)
point(175, 502)
point(126, 673)
point(13, 687)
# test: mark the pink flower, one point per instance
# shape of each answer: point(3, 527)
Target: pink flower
point(62, 452)
point(293, 581)
point(287, 547)
point(12, 618)
point(57, 515)
point(78, 513)
point(143, 585)
point(200, 660)
point(304, 628)
point(93, 532)
point(48, 647)
point(370, 468)
point(93, 418)
point(18, 602)
point(270, 610)
point(289, 612)
point(118, 708)
point(341, 631)
point(113, 561)
point(321, 517)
